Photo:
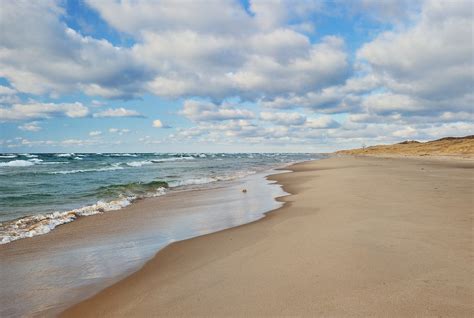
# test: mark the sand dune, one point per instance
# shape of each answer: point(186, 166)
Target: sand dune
point(449, 146)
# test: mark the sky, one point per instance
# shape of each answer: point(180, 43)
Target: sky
point(233, 76)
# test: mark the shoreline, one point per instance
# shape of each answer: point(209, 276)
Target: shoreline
point(113, 245)
point(87, 193)
point(196, 277)
point(46, 222)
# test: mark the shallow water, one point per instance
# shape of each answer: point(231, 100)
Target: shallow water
point(45, 274)
point(41, 191)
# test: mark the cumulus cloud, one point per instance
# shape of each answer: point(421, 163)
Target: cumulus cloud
point(32, 126)
point(33, 31)
point(330, 100)
point(24, 142)
point(8, 95)
point(283, 118)
point(97, 103)
point(211, 49)
point(4, 90)
point(322, 122)
point(117, 112)
point(218, 49)
point(208, 111)
point(159, 124)
point(431, 60)
point(36, 110)
point(95, 133)
point(119, 131)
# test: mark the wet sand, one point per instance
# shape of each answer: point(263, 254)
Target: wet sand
point(358, 237)
point(43, 275)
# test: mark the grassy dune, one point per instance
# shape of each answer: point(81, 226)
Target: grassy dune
point(449, 146)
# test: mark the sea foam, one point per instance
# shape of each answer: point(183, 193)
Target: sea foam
point(139, 163)
point(111, 168)
point(17, 163)
point(43, 223)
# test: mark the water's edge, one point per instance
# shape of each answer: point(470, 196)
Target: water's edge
point(125, 270)
point(266, 175)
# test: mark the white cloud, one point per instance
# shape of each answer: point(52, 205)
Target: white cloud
point(430, 60)
point(159, 124)
point(95, 133)
point(405, 132)
point(97, 103)
point(32, 126)
point(69, 61)
point(119, 131)
point(4, 90)
point(322, 122)
point(211, 49)
point(332, 99)
point(36, 110)
point(283, 118)
point(207, 111)
point(217, 49)
point(117, 112)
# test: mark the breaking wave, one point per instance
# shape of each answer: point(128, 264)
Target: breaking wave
point(111, 168)
point(43, 223)
point(17, 163)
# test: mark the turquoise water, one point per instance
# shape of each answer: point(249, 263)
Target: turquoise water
point(41, 191)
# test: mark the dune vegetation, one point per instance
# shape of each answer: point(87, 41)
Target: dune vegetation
point(449, 146)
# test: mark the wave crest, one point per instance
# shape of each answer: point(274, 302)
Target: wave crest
point(17, 163)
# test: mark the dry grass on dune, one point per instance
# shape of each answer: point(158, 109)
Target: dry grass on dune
point(449, 146)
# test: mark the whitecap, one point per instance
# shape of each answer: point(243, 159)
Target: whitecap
point(121, 155)
point(35, 160)
point(113, 167)
point(27, 155)
point(173, 159)
point(139, 163)
point(17, 163)
point(210, 179)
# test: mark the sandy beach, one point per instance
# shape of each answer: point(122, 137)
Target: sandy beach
point(144, 150)
point(380, 237)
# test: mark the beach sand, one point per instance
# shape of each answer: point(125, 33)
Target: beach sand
point(357, 237)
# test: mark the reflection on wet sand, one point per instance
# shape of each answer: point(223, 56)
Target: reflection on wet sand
point(46, 273)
